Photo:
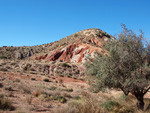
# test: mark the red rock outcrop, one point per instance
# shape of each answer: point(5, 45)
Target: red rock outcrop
point(83, 44)
point(95, 41)
point(72, 53)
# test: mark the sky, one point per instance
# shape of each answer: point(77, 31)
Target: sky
point(36, 22)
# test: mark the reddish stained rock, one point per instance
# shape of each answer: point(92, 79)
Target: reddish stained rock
point(70, 51)
point(54, 56)
point(41, 57)
point(95, 41)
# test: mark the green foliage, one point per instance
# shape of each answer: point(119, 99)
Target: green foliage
point(75, 35)
point(52, 88)
point(3, 69)
point(109, 105)
point(61, 99)
point(86, 105)
point(3, 57)
point(76, 98)
point(46, 80)
point(65, 65)
point(126, 65)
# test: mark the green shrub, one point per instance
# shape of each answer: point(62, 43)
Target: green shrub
point(85, 105)
point(52, 88)
point(65, 65)
point(109, 105)
point(33, 79)
point(3, 57)
point(68, 89)
point(25, 89)
point(46, 80)
point(3, 69)
point(61, 99)
point(76, 98)
point(5, 104)
point(8, 88)
point(75, 35)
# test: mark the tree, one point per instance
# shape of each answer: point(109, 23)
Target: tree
point(125, 65)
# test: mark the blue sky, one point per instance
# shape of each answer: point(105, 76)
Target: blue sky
point(35, 22)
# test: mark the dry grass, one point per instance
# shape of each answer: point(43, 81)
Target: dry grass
point(87, 104)
point(90, 104)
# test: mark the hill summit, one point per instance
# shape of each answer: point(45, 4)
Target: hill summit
point(76, 47)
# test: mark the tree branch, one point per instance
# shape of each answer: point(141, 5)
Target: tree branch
point(146, 91)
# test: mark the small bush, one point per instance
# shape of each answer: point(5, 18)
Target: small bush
point(1, 95)
point(65, 65)
point(61, 99)
point(46, 80)
point(61, 81)
point(52, 88)
point(86, 105)
point(109, 105)
point(36, 93)
point(75, 35)
point(33, 79)
point(5, 104)
point(8, 88)
point(3, 69)
point(25, 88)
point(76, 98)
point(3, 57)
point(17, 80)
point(1, 85)
point(68, 89)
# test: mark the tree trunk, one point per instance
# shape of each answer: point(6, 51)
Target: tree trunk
point(140, 103)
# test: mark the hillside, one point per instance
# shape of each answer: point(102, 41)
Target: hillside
point(48, 77)
point(88, 40)
point(61, 58)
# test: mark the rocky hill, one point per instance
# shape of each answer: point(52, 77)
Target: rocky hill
point(48, 77)
point(61, 58)
point(75, 48)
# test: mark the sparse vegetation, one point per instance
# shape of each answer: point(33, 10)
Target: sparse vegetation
point(46, 80)
point(5, 104)
point(65, 65)
point(3, 69)
point(24, 88)
point(40, 86)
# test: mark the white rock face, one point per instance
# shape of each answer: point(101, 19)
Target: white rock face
point(75, 58)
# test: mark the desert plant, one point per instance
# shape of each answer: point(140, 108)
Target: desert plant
point(33, 79)
point(52, 88)
point(125, 65)
point(65, 65)
point(24, 88)
point(67, 89)
point(3, 57)
point(61, 99)
point(36, 93)
point(46, 80)
point(8, 88)
point(3, 69)
point(85, 105)
point(61, 81)
point(109, 105)
point(5, 103)
point(76, 98)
